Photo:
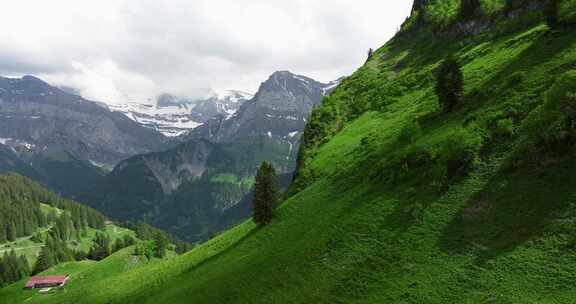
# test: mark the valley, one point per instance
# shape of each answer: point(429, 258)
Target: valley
point(441, 171)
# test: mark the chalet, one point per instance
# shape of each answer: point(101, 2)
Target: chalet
point(47, 281)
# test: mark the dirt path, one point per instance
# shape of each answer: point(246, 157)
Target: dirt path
point(20, 248)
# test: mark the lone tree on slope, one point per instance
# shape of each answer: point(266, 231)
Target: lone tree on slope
point(370, 53)
point(449, 84)
point(266, 194)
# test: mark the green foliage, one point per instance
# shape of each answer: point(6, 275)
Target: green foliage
point(469, 9)
point(101, 248)
point(45, 260)
point(449, 84)
point(419, 5)
point(438, 216)
point(146, 249)
point(160, 245)
point(21, 214)
point(552, 127)
point(505, 128)
point(266, 194)
point(410, 133)
point(442, 13)
point(551, 12)
point(13, 268)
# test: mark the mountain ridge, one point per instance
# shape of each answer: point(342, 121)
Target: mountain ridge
point(189, 189)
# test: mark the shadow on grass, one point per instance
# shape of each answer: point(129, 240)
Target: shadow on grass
point(512, 210)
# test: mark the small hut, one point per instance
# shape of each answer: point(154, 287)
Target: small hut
point(47, 281)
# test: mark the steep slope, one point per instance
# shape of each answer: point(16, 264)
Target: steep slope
point(193, 189)
point(396, 202)
point(174, 116)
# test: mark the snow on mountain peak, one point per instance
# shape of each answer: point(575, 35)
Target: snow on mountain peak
point(174, 115)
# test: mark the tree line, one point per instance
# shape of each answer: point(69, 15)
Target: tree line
point(160, 240)
point(13, 268)
point(21, 212)
point(22, 215)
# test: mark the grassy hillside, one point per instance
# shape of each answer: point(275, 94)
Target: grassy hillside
point(396, 202)
point(81, 274)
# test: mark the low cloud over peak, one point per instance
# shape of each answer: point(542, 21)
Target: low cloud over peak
point(121, 50)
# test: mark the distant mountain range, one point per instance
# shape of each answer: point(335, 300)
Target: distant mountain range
point(181, 164)
point(62, 139)
point(192, 188)
point(174, 116)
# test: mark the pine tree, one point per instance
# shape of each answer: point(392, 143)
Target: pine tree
point(45, 260)
point(418, 5)
point(101, 247)
point(11, 232)
point(449, 84)
point(129, 241)
point(469, 8)
point(551, 11)
point(23, 266)
point(161, 244)
point(118, 244)
point(418, 8)
point(370, 53)
point(12, 270)
point(266, 194)
point(182, 247)
point(3, 228)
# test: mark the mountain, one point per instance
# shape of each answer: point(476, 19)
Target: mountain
point(63, 137)
point(189, 189)
point(174, 116)
point(397, 200)
point(47, 118)
point(274, 118)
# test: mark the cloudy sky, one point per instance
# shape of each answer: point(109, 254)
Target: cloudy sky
point(130, 50)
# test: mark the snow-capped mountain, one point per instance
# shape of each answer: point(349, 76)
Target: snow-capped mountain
point(181, 189)
point(174, 116)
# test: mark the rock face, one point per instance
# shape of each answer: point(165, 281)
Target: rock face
point(174, 116)
point(60, 139)
point(47, 118)
point(274, 118)
point(195, 188)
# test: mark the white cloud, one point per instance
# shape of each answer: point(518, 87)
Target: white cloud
point(114, 50)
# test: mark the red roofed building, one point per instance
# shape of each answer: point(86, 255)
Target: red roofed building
point(47, 281)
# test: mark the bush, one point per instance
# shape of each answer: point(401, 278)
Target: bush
point(469, 8)
point(551, 128)
point(410, 132)
point(449, 84)
point(505, 128)
point(146, 249)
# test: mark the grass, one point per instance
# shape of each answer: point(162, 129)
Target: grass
point(405, 204)
point(25, 246)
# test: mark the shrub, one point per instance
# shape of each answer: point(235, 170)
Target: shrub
point(410, 132)
point(449, 84)
point(469, 8)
